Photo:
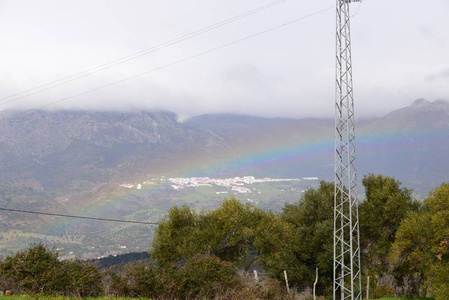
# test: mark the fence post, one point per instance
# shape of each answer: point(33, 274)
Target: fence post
point(367, 288)
point(286, 282)
point(256, 276)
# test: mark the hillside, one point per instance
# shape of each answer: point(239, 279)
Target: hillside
point(74, 162)
point(411, 144)
point(75, 151)
point(69, 152)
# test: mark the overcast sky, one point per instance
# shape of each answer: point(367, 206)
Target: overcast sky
point(400, 53)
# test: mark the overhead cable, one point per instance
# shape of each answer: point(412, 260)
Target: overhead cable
point(76, 217)
point(183, 60)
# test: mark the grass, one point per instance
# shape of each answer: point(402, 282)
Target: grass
point(406, 299)
point(34, 297)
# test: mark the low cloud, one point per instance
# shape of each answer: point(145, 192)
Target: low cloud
point(443, 75)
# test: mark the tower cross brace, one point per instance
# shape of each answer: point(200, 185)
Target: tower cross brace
point(347, 268)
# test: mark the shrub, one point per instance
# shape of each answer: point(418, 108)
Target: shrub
point(206, 276)
point(38, 270)
point(383, 291)
point(32, 270)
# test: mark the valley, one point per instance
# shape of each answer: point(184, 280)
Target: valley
point(136, 165)
point(147, 201)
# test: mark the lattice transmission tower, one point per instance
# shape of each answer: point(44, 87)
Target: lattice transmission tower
point(347, 268)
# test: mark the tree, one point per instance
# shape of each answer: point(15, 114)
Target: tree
point(438, 207)
point(244, 234)
point(385, 206)
point(312, 220)
point(412, 255)
point(438, 203)
point(202, 252)
point(174, 240)
point(234, 232)
point(420, 250)
point(230, 231)
point(440, 284)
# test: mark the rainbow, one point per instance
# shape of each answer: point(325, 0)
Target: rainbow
point(282, 159)
point(274, 159)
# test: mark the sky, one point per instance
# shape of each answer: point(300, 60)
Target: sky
point(261, 64)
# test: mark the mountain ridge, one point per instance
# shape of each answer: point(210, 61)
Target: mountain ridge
point(63, 150)
point(75, 162)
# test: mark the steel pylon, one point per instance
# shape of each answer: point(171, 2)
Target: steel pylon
point(347, 268)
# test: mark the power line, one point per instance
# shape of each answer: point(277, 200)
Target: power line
point(76, 217)
point(184, 59)
point(113, 63)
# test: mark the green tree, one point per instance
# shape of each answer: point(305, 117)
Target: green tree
point(244, 234)
point(174, 240)
point(412, 254)
point(438, 207)
point(230, 231)
point(438, 203)
point(440, 284)
point(236, 233)
point(420, 251)
point(200, 253)
point(385, 206)
point(312, 246)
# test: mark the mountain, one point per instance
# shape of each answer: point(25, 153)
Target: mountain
point(270, 147)
point(77, 162)
point(70, 152)
point(411, 144)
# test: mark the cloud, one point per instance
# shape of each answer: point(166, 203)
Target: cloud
point(287, 72)
point(443, 75)
point(248, 80)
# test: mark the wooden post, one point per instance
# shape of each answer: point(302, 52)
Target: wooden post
point(286, 282)
point(256, 276)
point(367, 288)
point(314, 284)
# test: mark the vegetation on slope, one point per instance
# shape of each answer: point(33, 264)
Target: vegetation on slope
point(205, 255)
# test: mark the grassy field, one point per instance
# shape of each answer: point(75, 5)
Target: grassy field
point(406, 299)
point(29, 297)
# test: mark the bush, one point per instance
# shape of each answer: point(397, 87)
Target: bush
point(268, 289)
point(81, 279)
point(141, 280)
point(383, 291)
point(38, 270)
point(30, 271)
point(206, 276)
point(200, 276)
